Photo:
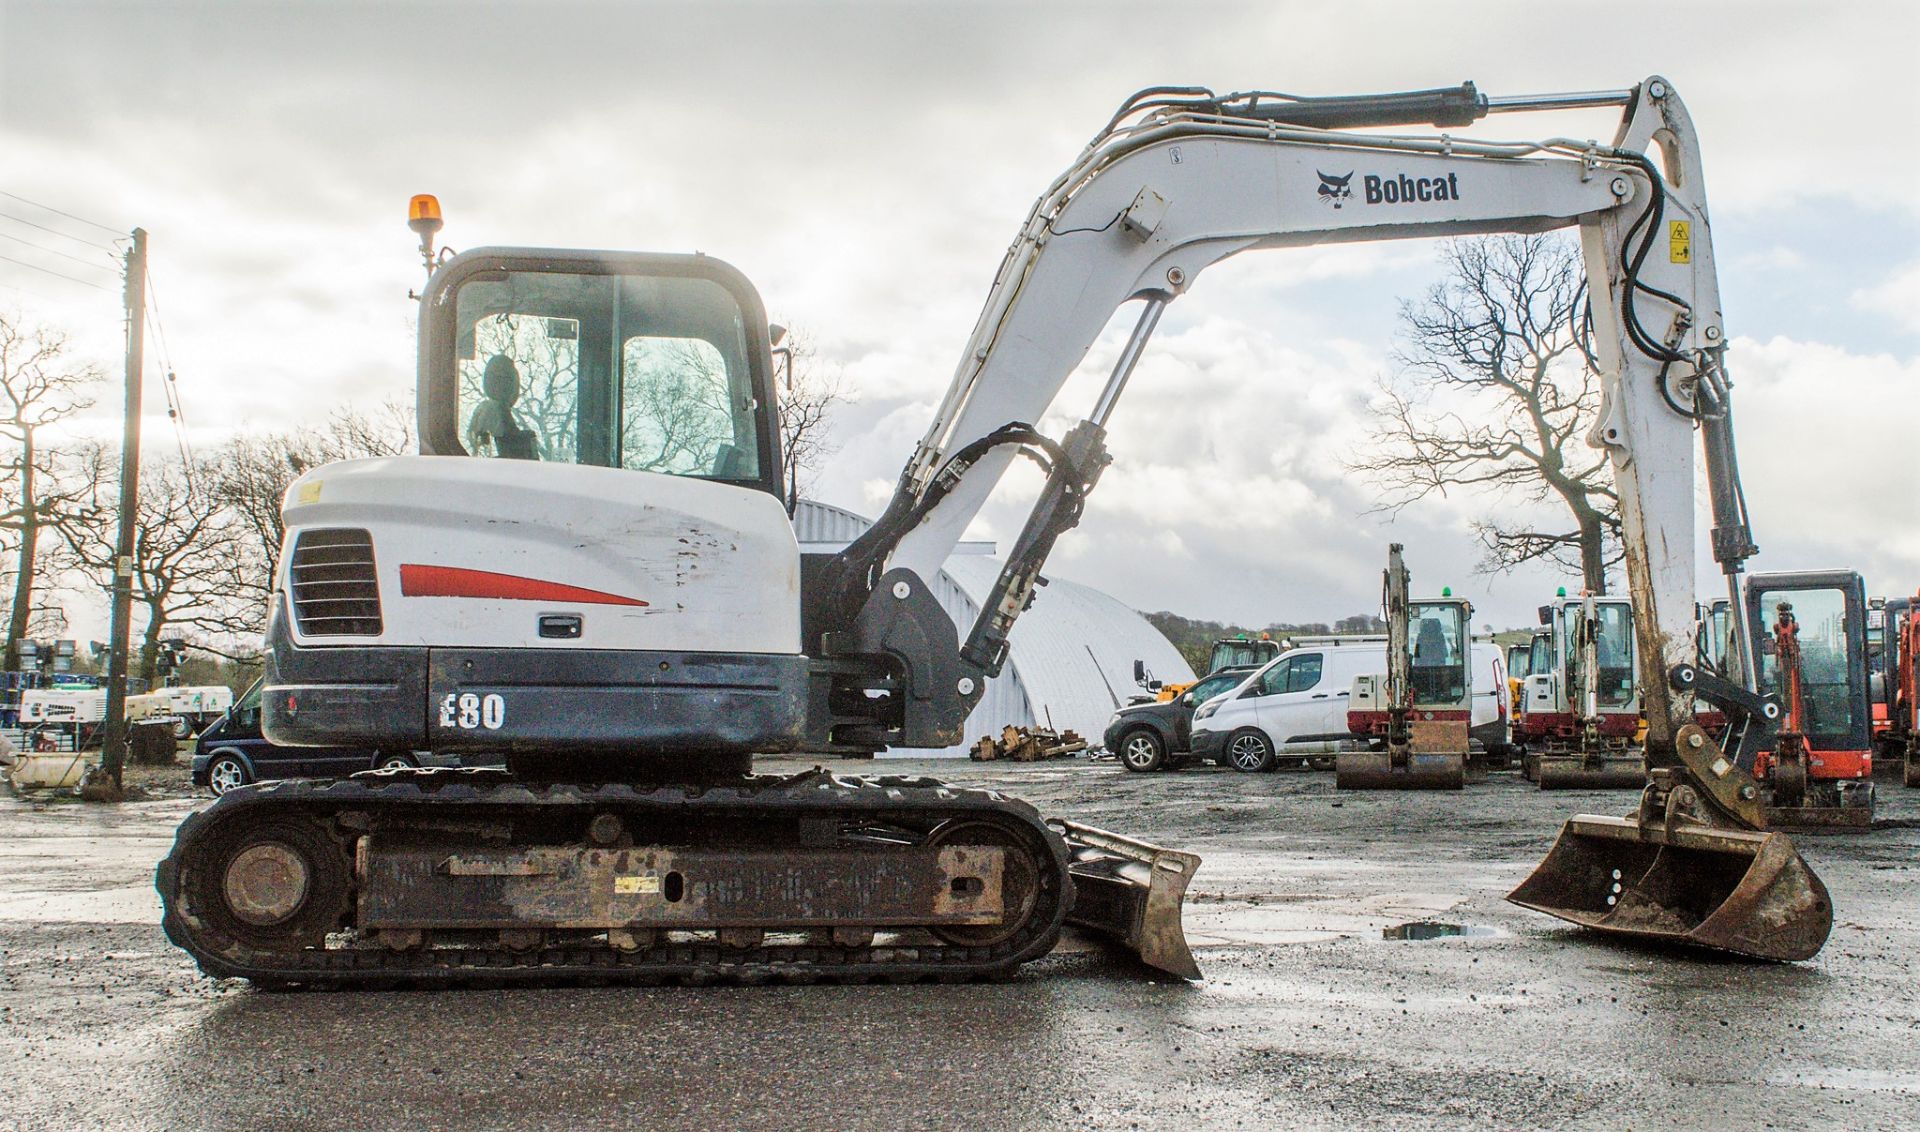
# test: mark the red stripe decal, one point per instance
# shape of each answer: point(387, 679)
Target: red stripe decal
point(458, 581)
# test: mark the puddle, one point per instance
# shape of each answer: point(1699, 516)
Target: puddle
point(1433, 929)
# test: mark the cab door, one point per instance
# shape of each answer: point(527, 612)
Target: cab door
point(1297, 704)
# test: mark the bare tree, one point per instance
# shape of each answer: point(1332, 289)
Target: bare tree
point(806, 399)
point(253, 471)
point(185, 547)
point(1493, 394)
point(38, 387)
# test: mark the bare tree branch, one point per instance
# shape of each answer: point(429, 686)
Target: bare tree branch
point(1491, 396)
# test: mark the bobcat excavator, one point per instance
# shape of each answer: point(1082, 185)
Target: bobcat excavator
point(589, 569)
point(1420, 710)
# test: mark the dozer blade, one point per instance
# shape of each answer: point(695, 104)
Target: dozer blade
point(1733, 890)
point(1375, 770)
point(1131, 891)
point(1592, 772)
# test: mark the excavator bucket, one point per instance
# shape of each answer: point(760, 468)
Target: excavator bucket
point(1131, 891)
point(1741, 891)
point(1609, 771)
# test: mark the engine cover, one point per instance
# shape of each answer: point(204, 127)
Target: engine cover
point(452, 603)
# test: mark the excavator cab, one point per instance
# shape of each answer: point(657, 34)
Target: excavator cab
point(1902, 683)
point(652, 363)
point(1811, 628)
point(1595, 713)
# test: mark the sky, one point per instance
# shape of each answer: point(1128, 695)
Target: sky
point(867, 165)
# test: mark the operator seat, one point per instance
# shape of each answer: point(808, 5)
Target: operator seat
point(492, 425)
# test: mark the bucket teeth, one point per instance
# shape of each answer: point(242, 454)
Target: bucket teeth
point(1747, 892)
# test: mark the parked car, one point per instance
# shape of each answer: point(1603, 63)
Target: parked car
point(1295, 705)
point(231, 753)
point(1154, 735)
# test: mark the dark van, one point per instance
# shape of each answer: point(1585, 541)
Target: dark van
point(231, 752)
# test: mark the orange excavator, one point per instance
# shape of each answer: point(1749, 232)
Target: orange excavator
point(1813, 656)
point(1897, 735)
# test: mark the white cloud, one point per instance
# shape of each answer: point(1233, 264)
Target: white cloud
point(1826, 443)
point(1897, 296)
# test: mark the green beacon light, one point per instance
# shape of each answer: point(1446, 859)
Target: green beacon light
point(1562, 592)
point(1446, 591)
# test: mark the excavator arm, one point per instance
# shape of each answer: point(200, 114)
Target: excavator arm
point(1181, 179)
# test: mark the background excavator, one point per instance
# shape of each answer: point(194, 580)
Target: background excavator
point(1418, 713)
point(590, 570)
point(1585, 711)
point(1898, 738)
point(1813, 655)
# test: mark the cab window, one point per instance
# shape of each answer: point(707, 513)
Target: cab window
point(1825, 669)
point(1274, 679)
point(246, 713)
point(1213, 686)
point(647, 373)
point(1294, 674)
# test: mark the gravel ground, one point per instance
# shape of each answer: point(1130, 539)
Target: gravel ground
point(1307, 1018)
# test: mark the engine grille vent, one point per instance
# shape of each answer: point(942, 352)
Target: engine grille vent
point(335, 590)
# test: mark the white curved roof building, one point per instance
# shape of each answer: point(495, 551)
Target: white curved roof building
point(1070, 657)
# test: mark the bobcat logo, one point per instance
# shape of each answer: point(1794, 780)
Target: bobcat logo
point(1333, 190)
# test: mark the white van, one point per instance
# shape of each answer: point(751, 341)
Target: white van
point(1296, 705)
point(1492, 718)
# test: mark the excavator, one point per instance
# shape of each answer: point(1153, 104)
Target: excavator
point(589, 571)
point(1811, 626)
point(1414, 718)
point(1586, 712)
point(1899, 737)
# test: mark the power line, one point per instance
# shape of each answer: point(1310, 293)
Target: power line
point(52, 251)
point(70, 216)
point(57, 232)
point(51, 271)
point(176, 407)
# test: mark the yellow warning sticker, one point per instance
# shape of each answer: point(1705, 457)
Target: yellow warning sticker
point(1680, 242)
point(310, 492)
point(641, 885)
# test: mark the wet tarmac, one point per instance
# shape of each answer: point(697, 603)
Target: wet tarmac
point(1308, 1018)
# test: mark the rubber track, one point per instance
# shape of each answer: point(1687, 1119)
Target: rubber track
point(452, 794)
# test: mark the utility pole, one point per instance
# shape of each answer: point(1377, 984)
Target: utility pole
point(113, 752)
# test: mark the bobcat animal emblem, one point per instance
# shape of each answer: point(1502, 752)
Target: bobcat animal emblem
point(1333, 190)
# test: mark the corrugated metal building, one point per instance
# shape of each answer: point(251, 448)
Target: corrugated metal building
point(1070, 658)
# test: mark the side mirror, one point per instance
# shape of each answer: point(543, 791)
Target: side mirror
point(1140, 671)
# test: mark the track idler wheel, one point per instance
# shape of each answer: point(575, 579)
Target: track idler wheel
point(279, 886)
